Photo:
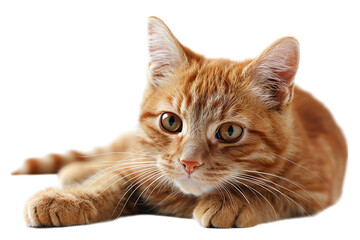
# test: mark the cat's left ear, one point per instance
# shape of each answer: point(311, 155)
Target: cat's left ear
point(273, 72)
point(165, 52)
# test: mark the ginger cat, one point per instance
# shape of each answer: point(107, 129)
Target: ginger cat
point(232, 144)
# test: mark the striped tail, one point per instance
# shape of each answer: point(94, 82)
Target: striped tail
point(51, 163)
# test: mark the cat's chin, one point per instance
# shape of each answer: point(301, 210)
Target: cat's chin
point(192, 186)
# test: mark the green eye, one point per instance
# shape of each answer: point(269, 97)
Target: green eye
point(170, 122)
point(229, 133)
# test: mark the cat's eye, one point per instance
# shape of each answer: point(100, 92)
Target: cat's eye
point(229, 133)
point(170, 122)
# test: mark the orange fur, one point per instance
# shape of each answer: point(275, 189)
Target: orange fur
point(290, 160)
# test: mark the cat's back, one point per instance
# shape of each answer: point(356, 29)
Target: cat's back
point(326, 144)
point(316, 118)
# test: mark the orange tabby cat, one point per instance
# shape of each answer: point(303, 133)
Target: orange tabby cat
point(232, 144)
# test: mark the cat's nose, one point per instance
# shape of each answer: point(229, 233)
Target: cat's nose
point(190, 165)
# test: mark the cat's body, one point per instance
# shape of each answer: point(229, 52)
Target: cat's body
point(230, 143)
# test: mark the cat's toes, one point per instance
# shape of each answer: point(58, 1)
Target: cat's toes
point(205, 210)
point(248, 217)
point(216, 213)
point(53, 207)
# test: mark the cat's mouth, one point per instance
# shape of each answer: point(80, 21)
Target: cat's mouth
point(192, 186)
point(188, 184)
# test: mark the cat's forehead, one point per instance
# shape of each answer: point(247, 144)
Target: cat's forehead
point(212, 78)
point(209, 91)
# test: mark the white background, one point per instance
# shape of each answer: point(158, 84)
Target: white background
point(72, 75)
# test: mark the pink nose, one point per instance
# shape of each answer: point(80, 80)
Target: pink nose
point(190, 165)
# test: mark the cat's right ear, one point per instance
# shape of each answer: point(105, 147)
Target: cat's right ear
point(165, 51)
point(273, 72)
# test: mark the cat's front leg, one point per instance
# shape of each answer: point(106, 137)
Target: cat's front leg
point(55, 207)
point(84, 204)
point(226, 211)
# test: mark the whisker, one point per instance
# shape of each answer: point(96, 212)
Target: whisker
point(89, 180)
point(301, 166)
point(258, 183)
point(170, 195)
point(161, 176)
point(128, 189)
point(287, 180)
point(222, 194)
point(126, 168)
point(142, 171)
point(109, 153)
point(241, 192)
point(252, 190)
point(281, 193)
point(114, 164)
point(289, 190)
point(164, 180)
point(228, 193)
point(140, 184)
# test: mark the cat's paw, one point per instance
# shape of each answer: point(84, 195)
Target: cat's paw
point(214, 212)
point(53, 207)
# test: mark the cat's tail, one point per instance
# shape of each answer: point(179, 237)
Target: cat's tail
point(51, 163)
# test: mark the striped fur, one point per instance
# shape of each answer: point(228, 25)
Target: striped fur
point(289, 162)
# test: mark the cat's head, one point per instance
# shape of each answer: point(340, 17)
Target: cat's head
point(211, 121)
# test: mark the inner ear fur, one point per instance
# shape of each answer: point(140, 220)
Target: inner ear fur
point(273, 72)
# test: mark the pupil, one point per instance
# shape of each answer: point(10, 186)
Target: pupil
point(230, 131)
point(171, 121)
